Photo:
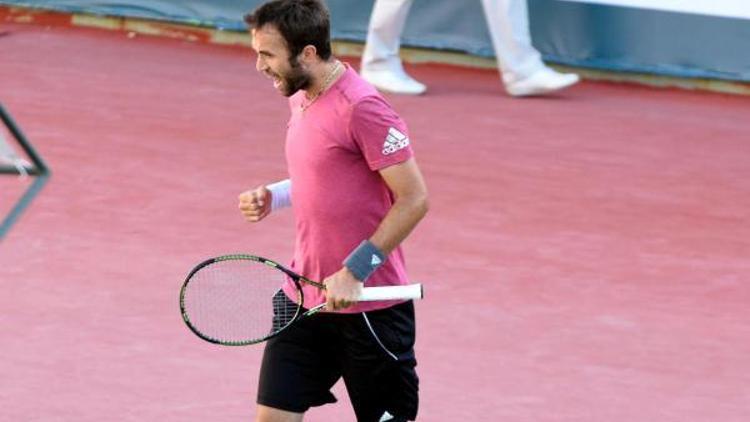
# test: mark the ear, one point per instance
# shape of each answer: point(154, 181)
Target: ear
point(309, 54)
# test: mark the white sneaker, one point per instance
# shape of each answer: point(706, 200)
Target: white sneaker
point(543, 81)
point(393, 80)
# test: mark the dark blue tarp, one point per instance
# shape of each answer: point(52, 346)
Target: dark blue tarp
point(578, 34)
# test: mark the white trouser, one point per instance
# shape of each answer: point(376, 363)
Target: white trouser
point(508, 22)
point(384, 34)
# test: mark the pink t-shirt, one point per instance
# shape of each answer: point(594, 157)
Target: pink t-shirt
point(334, 150)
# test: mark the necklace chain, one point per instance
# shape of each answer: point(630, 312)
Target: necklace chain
point(326, 84)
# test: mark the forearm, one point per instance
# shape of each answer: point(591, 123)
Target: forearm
point(400, 220)
point(410, 206)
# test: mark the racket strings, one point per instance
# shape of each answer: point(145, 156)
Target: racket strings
point(237, 301)
point(284, 311)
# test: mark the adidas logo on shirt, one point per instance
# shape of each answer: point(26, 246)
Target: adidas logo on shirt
point(394, 141)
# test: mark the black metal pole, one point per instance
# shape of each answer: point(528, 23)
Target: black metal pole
point(39, 170)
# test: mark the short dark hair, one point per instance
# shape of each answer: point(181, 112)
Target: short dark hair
point(301, 23)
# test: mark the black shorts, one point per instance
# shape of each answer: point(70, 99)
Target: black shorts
point(372, 351)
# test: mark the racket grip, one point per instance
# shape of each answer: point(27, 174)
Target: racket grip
point(409, 291)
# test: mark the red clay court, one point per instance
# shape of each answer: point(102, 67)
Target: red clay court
point(586, 257)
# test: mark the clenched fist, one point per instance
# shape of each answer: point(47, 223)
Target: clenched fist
point(255, 204)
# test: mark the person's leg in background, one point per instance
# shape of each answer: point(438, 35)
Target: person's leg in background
point(522, 71)
point(381, 64)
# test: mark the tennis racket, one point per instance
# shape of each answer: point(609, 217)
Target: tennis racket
point(235, 300)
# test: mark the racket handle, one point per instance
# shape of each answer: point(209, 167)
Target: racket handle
point(409, 291)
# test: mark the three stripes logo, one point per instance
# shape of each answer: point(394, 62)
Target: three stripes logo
point(394, 141)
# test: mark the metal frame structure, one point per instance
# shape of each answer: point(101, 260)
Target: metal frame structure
point(38, 170)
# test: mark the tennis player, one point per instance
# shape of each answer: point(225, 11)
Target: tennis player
point(356, 193)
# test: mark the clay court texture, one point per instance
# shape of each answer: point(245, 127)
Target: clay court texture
point(586, 256)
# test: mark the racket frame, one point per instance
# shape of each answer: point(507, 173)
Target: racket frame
point(296, 278)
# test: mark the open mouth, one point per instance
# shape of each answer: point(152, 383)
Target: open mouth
point(277, 81)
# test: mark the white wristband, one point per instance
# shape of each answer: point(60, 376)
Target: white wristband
point(281, 194)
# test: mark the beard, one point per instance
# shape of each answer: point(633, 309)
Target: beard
point(294, 80)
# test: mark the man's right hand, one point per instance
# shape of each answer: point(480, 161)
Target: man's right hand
point(255, 204)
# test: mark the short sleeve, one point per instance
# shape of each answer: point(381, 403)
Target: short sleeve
point(379, 133)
